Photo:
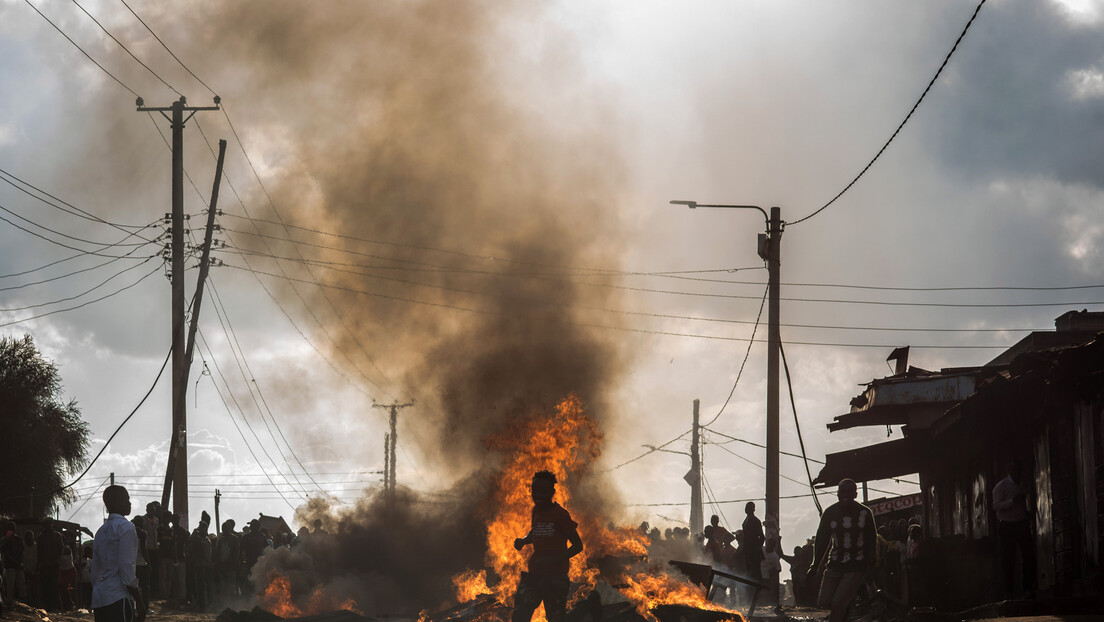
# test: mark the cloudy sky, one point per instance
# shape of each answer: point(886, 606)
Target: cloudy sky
point(466, 204)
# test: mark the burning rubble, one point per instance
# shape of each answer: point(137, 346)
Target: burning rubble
point(386, 555)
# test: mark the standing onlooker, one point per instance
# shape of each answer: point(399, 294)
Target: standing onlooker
point(141, 564)
point(847, 526)
point(50, 547)
point(67, 579)
point(15, 585)
point(199, 564)
point(166, 565)
point(916, 579)
point(253, 545)
point(114, 551)
point(1014, 530)
point(753, 542)
point(152, 544)
point(85, 574)
point(30, 569)
point(227, 562)
point(799, 572)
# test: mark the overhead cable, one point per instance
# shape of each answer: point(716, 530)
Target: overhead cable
point(797, 424)
point(150, 30)
point(83, 304)
point(109, 439)
point(740, 373)
point(907, 117)
point(86, 55)
point(125, 49)
point(65, 206)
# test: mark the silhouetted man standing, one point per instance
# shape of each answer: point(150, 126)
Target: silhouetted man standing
point(848, 526)
point(753, 542)
point(115, 592)
point(551, 533)
point(1014, 530)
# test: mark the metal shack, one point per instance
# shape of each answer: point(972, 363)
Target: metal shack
point(1042, 402)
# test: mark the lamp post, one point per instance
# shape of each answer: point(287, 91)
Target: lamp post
point(770, 246)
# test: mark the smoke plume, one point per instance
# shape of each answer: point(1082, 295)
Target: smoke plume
point(475, 206)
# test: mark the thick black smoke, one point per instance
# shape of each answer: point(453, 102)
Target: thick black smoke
point(431, 129)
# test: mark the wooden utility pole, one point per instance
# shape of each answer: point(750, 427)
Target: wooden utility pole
point(774, 252)
point(697, 520)
point(390, 478)
point(178, 444)
point(770, 250)
point(218, 497)
point(387, 465)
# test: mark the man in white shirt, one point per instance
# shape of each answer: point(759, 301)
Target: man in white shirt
point(114, 551)
point(1014, 530)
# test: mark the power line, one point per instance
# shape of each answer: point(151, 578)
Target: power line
point(581, 271)
point(321, 263)
point(86, 55)
point(68, 208)
point(232, 475)
point(125, 49)
point(603, 326)
point(62, 244)
point(110, 438)
point(740, 373)
point(683, 503)
point(240, 356)
point(83, 304)
point(308, 307)
point(74, 297)
point(797, 424)
point(556, 303)
point(229, 413)
point(150, 30)
point(756, 464)
point(91, 496)
point(650, 451)
point(907, 117)
point(63, 276)
point(733, 439)
point(71, 237)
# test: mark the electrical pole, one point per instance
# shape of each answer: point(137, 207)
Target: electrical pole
point(770, 250)
point(394, 407)
point(774, 251)
point(697, 520)
point(387, 465)
point(179, 440)
point(218, 497)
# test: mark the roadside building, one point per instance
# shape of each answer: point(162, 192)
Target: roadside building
point(1041, 402)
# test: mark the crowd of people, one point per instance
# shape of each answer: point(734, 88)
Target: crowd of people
point(849, 557)
point(42, 569)
point(202, 569)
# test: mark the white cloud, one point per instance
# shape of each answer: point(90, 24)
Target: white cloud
point(1085, 83)
point(1085, 12)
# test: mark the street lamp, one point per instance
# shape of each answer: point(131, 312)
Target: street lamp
point(770, 245)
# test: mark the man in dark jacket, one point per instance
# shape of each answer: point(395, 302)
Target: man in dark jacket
point(848, 527)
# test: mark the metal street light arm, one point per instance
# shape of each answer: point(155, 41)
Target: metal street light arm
point(695, 204)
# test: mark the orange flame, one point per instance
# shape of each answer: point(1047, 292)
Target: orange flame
point(566, 443)
point(278, 599)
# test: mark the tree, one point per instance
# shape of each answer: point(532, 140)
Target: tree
point(43, 440)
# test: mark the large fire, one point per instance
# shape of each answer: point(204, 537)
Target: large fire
point(566, 443)
point(277, 599)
